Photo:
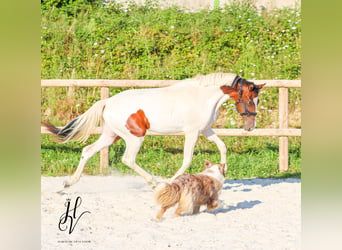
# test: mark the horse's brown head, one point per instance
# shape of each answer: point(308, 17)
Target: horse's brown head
point(245, 95)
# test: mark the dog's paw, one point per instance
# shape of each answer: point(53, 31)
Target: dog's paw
point(156, 219)
point(222, 205)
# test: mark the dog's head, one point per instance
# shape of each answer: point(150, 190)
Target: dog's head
point(217, 171)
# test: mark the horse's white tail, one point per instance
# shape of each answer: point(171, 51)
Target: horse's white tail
point(79, 128)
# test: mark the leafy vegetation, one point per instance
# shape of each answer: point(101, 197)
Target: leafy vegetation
point(111, 41)
point(83, 39)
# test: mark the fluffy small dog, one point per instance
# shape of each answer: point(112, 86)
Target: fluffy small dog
point(192, 190)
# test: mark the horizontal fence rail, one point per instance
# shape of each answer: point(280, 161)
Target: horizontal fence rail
point(283, 132)
point(148, 83)
point(220, 132)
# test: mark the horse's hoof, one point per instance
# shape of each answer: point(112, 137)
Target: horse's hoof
point(60, 191)
point(152, 183)
point(67, 184)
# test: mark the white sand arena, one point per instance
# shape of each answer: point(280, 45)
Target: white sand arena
point(259, 214)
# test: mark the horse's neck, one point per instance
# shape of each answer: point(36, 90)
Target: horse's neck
point(211, 95)
point(215, 98)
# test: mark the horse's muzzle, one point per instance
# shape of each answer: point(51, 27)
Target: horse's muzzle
point(248, 129)
point(249, 123)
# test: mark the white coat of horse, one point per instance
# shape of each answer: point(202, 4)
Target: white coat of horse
point(190, 106)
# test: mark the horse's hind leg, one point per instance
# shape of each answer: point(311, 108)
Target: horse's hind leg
point(133, 145)
point(106, 139)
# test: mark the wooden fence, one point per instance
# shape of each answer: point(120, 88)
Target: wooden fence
point(283, 131)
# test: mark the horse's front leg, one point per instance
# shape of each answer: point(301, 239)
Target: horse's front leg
point(189, 145)
point(212, 137)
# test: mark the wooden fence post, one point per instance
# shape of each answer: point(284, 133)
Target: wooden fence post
point(104, 153)
point(283, 124)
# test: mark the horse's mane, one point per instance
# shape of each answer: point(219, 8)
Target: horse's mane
point(214, 79)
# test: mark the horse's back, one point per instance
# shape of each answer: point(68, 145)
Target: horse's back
point(168, 110)
point(160, 105)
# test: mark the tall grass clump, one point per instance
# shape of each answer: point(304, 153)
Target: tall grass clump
point(85, 39)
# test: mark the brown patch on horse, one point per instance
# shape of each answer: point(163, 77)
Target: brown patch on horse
point(138, 123)
point(233, 93)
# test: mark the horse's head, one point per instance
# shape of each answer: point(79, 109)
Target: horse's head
point(245, 95)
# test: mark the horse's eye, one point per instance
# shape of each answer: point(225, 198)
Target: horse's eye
point(250, 102)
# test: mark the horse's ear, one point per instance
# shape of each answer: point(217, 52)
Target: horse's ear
point(208, 164)
point(260, 86)
point(233, 93)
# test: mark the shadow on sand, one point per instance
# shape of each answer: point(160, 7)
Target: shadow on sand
point(232, 184)
point(240, 205)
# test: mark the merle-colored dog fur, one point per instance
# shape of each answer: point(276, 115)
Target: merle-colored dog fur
point(192, 190)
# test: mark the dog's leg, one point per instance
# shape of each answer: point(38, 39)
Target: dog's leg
point(180, 207)
point(178, 211)
point(185, 204)
point(184, 207)
point(161, 212)
point(196, 209)
point(222, 204)
point(212, 205)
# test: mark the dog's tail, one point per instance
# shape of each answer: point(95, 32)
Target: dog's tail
point(79, 128)
point(167, 194)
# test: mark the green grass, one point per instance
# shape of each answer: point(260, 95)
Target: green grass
point(162, 156)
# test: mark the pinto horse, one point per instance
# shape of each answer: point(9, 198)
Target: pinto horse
point(190, 106)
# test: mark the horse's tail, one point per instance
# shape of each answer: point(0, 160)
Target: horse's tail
point(167, 194)
point(79, 128)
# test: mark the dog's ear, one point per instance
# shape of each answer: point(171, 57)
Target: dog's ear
point(223, 168)
point(208, 164)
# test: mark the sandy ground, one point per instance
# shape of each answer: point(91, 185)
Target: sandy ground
point(259, 214)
